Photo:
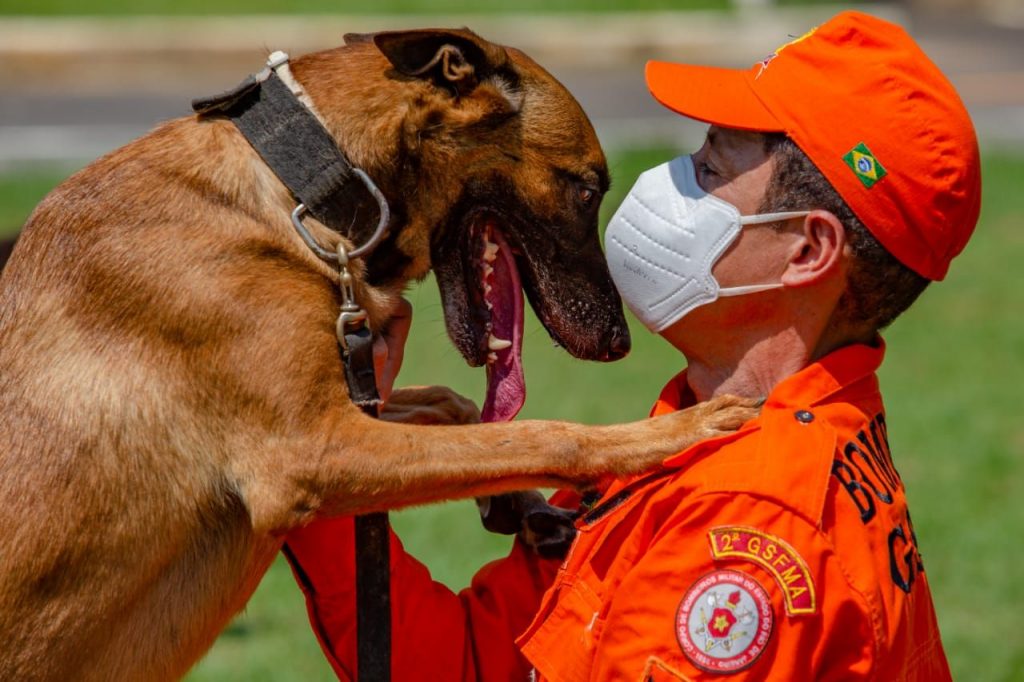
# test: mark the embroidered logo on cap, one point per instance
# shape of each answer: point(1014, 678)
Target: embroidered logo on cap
point(768, 60)
point(864, 165)
point(724, 621)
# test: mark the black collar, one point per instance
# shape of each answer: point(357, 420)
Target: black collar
point(301, 152)
point(296, 146)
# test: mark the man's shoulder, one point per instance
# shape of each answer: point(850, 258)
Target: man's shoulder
point(789, 458)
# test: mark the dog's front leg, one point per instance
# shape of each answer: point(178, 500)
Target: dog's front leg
point(354, 464)
point(547, 529)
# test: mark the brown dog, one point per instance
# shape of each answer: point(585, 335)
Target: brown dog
point(170, 394)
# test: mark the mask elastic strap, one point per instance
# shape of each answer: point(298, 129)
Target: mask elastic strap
point(749, 289)
point(762, 218)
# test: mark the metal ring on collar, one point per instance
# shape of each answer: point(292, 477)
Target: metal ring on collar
point(378, 234)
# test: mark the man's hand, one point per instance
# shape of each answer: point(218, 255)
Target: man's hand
point(416, 404)
point(389, 348)
point(429, 405)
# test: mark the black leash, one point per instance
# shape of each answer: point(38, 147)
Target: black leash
point(301, 152)
point(373, 556)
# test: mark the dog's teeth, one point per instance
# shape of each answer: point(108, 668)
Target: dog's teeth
point(487, 288)
point(490, 306)
point(492, 357)
point(488, 270)
point(494, 343)
point(490, 251)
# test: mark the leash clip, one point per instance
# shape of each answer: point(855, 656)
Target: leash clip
point(352, 317)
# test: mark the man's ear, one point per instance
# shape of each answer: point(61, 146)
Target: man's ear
point(820, 252)
point(455, 59)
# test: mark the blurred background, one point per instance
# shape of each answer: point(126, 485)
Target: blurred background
point(81, 77)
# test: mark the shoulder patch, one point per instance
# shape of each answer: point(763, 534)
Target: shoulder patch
point(724, 621)
point(772, 554)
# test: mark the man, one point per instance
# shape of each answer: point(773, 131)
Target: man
point(840, 175)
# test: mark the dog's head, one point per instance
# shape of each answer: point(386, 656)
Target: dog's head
point(495, 176)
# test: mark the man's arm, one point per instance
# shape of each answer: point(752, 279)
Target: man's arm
point(436, 634)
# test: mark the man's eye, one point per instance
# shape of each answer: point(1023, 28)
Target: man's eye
point(704, 169)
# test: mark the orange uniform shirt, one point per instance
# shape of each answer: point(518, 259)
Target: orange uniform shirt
point(783, 551)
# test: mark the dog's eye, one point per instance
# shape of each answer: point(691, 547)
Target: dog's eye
point(587, 195)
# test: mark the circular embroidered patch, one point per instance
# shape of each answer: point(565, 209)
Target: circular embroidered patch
point(724, 621)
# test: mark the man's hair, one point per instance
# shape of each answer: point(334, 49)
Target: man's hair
point(879, 288)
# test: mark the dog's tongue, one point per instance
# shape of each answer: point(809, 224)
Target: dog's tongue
point(506, 387)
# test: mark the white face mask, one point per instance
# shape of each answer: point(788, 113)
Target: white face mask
point(665, 238)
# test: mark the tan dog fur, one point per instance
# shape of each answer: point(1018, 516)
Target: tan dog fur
point(171, 401)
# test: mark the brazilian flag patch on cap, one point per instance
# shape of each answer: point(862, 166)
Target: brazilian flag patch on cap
point(864, 165)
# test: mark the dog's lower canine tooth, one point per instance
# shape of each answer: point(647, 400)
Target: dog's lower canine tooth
point(494, 343)
point(490, 252)
point(492, 357)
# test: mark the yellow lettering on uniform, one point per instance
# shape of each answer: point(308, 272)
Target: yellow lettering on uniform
point(754, 545)
point(776, 556)
point(791, 575)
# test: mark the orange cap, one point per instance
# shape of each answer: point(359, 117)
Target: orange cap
point(872, 112)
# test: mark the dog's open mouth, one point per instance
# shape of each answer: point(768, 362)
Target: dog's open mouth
point(490, 264)
point(502, 294)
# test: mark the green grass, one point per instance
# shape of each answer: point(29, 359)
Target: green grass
point(952, 382)
point(20, 191)
point(219, 7)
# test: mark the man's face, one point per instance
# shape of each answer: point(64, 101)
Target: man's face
point(733, 165)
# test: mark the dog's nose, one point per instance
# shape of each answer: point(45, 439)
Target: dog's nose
point(618, 343)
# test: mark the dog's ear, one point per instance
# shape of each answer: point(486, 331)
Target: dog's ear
point(357, 38)
point(455, 59)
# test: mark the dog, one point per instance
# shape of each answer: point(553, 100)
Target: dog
point(171, 397)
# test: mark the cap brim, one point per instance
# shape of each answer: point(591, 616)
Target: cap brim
point(714, 95)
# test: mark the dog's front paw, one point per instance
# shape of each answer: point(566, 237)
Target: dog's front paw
point(429, 405)
point(726, 414)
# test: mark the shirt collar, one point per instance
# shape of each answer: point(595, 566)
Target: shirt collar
point(812, 385)
point(840, 376)
point(822, 379)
